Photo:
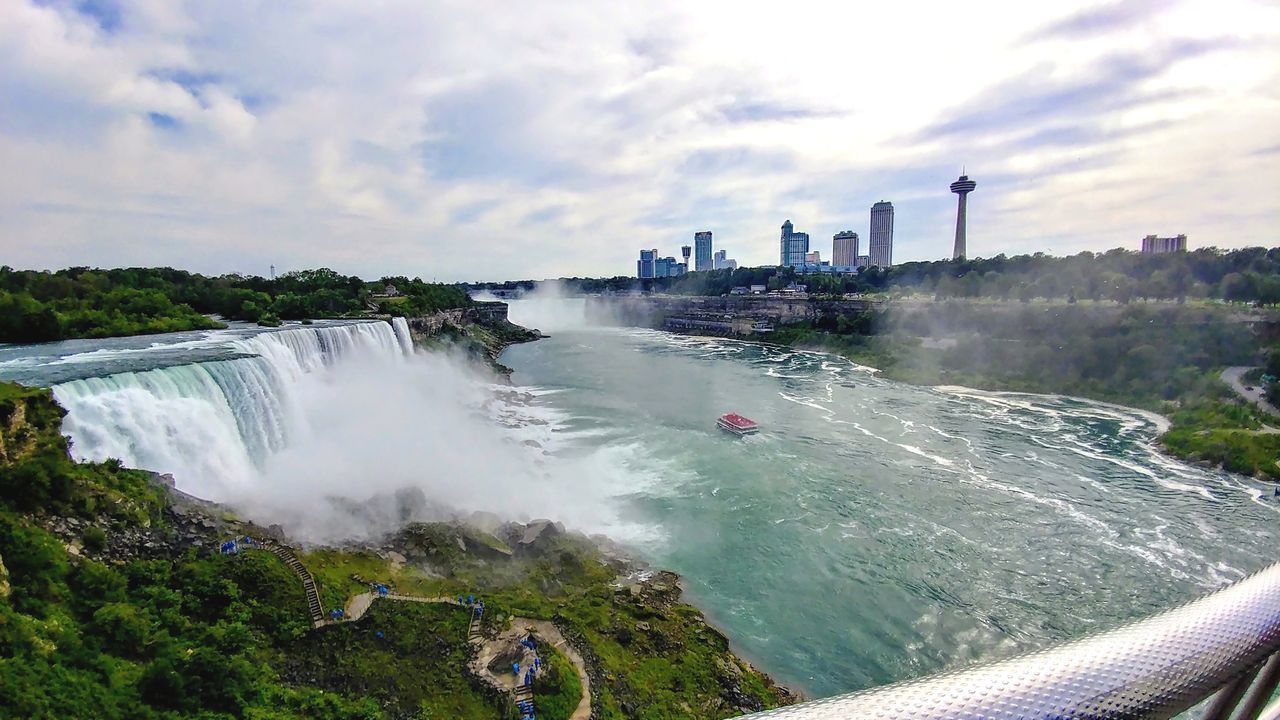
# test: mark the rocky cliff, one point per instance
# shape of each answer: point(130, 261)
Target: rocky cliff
point(481, 330)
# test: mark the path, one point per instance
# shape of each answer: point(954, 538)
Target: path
point(308, 582)
point(549, 633)
point(486, 650)
point(1233, 377)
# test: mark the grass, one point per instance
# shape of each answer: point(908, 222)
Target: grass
point(339, 574)
point(416, 669)
point(557, 688)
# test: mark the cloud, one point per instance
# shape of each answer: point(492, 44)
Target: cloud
point(1104, 18)
point(480, 140)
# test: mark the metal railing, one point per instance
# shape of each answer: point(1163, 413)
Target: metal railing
point(1226, 642)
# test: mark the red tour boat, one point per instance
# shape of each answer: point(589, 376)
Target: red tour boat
point(737, 424)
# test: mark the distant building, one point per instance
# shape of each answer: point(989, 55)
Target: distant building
point(721, 262)
point(844, 248)
point(758, 289)
point(702, 255)
point(669, 267)
point(880, 242)
point(813, 258)
point(646, 266)
point(1153, 244)
point(864, 261)
point(684, 251)
point(739, 290)
point(794, 246)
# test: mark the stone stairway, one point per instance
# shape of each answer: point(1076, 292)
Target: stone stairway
point(308, 583)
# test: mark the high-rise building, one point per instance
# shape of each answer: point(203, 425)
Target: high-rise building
point(961, 187)
point(1153, 244)
point(668, 267)
point(813, 258)
point(880, 241)
point(723, 262)
point(646, 266)
point(684, 252)
point(844, 249)
point(702, 258)
point(794, 245)
point(863, 261)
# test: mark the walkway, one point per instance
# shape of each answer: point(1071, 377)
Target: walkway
point(308, 583)
point(485, 650)
point(1232, 376)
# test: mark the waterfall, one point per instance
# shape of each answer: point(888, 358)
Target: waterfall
point(401, 328)
point(215, 424)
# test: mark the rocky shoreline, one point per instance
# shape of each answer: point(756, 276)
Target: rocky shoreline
point(477, 545)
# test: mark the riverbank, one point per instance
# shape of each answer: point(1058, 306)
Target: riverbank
point(481, 331)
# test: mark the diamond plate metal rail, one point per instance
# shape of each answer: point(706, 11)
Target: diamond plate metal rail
point(1152, 668)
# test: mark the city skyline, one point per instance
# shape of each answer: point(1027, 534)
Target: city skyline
point(201, 136)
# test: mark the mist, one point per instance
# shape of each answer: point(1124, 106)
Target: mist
point(550, 308)
point(355, 447)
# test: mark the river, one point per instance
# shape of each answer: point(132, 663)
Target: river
point(873, 531)
point(876, 530)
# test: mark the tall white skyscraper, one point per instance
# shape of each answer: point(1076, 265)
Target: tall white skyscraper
point(880, 241)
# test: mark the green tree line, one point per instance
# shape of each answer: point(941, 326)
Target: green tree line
point(83, 302)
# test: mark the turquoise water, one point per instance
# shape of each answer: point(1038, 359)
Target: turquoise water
point(875, 531)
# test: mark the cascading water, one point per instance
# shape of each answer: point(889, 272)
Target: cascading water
point(401, 328)
point(314, 427)
point(215, 424)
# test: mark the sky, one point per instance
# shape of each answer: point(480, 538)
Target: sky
point(476, 140)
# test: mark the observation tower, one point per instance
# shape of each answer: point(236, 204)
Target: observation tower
point(961, 187)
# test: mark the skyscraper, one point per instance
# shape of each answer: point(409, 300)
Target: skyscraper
point(1153, 244)
point(668, 267)
point(646, 266)
point(961, 187)
point(794, 245)
point(844, 249)
point(684, 252)
point(724, 262)
point(880, 241)
point(702, 244)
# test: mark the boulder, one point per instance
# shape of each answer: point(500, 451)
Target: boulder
point(538, 532)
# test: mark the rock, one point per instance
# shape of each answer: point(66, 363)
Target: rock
point(276, 532)
point(485, 522)
point(643, 626)
point(4, 580)
point(538, 531)
point(462, 544)
point(532, 444)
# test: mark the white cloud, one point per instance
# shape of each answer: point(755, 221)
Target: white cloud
point(469, 140)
